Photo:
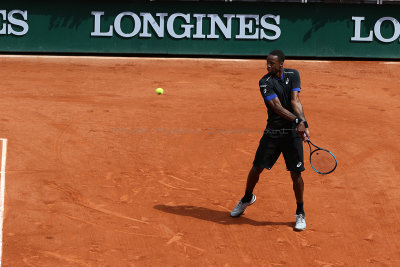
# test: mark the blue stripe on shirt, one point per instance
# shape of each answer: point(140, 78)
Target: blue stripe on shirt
point(296, 89)
point(270, 97)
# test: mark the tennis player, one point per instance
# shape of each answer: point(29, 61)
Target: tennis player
point(286, 129)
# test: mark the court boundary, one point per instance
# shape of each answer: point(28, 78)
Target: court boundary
point(186, 56)
point(2, 191)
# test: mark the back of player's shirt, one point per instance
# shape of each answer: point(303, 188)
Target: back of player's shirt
point(282, 88)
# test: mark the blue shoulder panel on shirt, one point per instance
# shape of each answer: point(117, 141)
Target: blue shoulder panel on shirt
point(270, 97)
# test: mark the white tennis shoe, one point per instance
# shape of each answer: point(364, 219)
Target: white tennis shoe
point(300, 222)
point(241, 207)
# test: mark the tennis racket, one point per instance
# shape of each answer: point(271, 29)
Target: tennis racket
point(322, 160)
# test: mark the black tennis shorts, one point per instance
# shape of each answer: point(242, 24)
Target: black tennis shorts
point(272, 145)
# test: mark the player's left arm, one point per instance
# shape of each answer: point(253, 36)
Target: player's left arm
point(302, 128)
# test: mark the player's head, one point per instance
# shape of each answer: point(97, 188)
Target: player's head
point(279, 54)
point(275, 62)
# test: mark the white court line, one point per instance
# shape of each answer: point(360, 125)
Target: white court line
point(310, 61)
point(2, 184)
point(110, 57)
point(122, 58)
point(391, 62)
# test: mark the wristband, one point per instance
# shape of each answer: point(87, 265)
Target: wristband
point(297, 121)
point(305, 124)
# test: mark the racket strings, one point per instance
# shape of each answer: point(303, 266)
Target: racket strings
point(323, 161)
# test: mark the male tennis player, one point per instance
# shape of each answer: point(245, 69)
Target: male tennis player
point(285, 131)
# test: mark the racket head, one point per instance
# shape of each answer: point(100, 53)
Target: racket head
point(323, 161)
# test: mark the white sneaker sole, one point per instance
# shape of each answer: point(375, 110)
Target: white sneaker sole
point(299, 229)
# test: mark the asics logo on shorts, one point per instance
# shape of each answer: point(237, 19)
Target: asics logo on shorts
point(299, 164)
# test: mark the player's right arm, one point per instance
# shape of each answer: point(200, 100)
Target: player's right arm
point(277, 107)
point(272, 100)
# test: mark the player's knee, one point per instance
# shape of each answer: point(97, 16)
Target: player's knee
point(296, 176)
point(256, 170)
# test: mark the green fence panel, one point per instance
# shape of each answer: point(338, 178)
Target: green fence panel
point(200, 28)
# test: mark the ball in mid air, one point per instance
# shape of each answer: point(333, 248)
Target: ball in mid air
point(160, 91)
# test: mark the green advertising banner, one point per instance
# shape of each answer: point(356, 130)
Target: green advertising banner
point(200, 28)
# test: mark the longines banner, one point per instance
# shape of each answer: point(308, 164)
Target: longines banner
point(200, 28)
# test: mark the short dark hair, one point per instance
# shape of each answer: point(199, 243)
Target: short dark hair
point(279, 54)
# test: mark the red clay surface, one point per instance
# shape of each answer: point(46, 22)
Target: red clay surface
point(101, 171)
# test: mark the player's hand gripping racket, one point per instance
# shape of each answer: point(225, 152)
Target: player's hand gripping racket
point(322, 160)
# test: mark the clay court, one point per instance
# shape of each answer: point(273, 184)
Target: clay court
point(102, 171)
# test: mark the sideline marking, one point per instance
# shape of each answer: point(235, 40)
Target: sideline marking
point(121, 58)
point(3, 182)
point(391, 63)
point(311, 61)
point(109, 57)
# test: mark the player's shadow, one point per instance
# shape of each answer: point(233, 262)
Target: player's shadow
point(221, 217)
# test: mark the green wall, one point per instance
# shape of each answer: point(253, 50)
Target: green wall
point(317, 30)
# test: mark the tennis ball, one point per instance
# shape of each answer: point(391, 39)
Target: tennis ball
point(160, 91)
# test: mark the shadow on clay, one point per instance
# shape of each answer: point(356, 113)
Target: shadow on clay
point(221, 217)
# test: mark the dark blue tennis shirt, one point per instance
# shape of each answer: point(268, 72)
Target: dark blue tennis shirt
point(281, 88)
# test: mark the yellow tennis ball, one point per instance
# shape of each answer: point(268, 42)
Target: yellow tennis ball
point(160, 91)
